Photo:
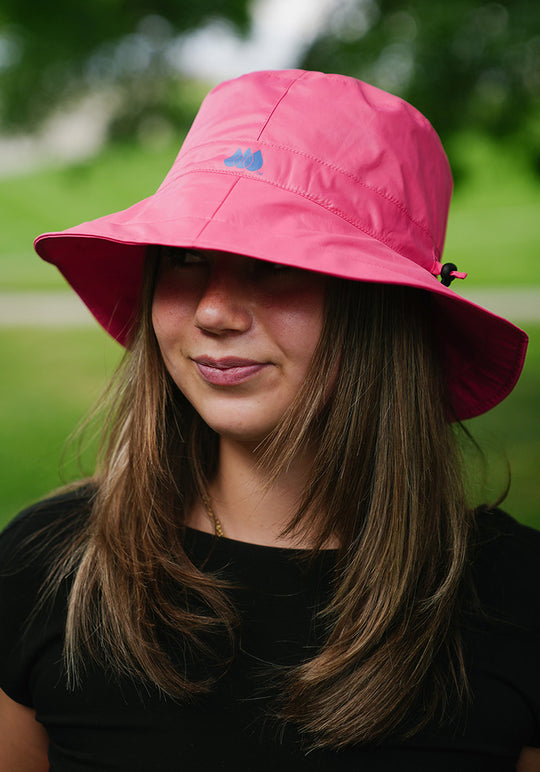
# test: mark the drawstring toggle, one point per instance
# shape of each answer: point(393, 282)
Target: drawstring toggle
point(448, 272)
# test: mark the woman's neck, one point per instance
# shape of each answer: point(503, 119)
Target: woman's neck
point(249, 504)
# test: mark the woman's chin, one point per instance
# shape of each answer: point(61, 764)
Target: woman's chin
point(244, 435)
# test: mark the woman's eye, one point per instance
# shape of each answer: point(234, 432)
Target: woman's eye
point(264, 267)
point(179, 258)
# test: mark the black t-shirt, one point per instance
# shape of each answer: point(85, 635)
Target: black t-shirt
point(107, 724)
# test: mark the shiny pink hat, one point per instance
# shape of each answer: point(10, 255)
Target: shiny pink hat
point(322, 172)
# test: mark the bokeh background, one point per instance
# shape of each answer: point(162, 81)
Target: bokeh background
point(95, 99)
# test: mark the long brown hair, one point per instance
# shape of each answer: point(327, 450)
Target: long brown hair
point(386, 480)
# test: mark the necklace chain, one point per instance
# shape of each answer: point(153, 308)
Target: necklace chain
point(218, 528)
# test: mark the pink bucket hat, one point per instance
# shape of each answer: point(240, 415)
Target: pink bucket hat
point(322, 172)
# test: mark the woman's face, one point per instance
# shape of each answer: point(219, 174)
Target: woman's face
point(237, 335)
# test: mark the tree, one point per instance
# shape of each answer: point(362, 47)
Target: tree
point(51, 52)
point(463, 63)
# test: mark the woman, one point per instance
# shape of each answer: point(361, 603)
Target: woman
point(276, 560)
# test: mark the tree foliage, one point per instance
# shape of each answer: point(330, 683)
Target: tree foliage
point(463, 63)
point(53, 51)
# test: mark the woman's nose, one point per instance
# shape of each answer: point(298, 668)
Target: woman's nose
point(224, 305)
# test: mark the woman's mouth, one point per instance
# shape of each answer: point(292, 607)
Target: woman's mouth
point(228, 371)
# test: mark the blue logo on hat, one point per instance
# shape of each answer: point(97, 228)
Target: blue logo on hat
point(248, 160)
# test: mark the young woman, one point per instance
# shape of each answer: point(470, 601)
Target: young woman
point(276, 561)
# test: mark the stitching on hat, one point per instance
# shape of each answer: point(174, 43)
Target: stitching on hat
point(328, 165)
point(325, 204)
point(275, 107)
point(356, 179)
point(216, 210)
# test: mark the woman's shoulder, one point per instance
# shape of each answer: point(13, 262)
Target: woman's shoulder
point(499, 534)
point(506, 565)
point(50, 519)
point(29, 616)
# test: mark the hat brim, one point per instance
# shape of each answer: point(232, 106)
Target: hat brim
point(483, 354)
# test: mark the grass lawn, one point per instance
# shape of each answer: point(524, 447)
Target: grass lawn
point(56, 199)
point(54, 376)
point(52, 379)
point(493, 224)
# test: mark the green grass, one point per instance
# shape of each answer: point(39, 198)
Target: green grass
point(53, 376)
point(493, 225)
point(492, 234)
point(51, 379)
point(59, 198)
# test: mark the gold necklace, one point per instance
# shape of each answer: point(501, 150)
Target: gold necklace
point(218, 528)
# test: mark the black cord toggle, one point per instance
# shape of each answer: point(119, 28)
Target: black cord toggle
point(447, 271)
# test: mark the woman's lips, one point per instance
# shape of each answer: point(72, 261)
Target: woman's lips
point(227, 371)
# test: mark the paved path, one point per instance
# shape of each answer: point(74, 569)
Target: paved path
point(63, 309)
point(43, 309)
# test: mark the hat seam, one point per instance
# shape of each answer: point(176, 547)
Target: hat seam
point(218, 207)
point(359, 181)
point(325, 204)
point(277, 104)
point(379, 191)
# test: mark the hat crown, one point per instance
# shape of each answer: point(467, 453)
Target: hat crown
point(365, 153)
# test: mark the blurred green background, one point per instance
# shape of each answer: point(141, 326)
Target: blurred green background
point(471, 67)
